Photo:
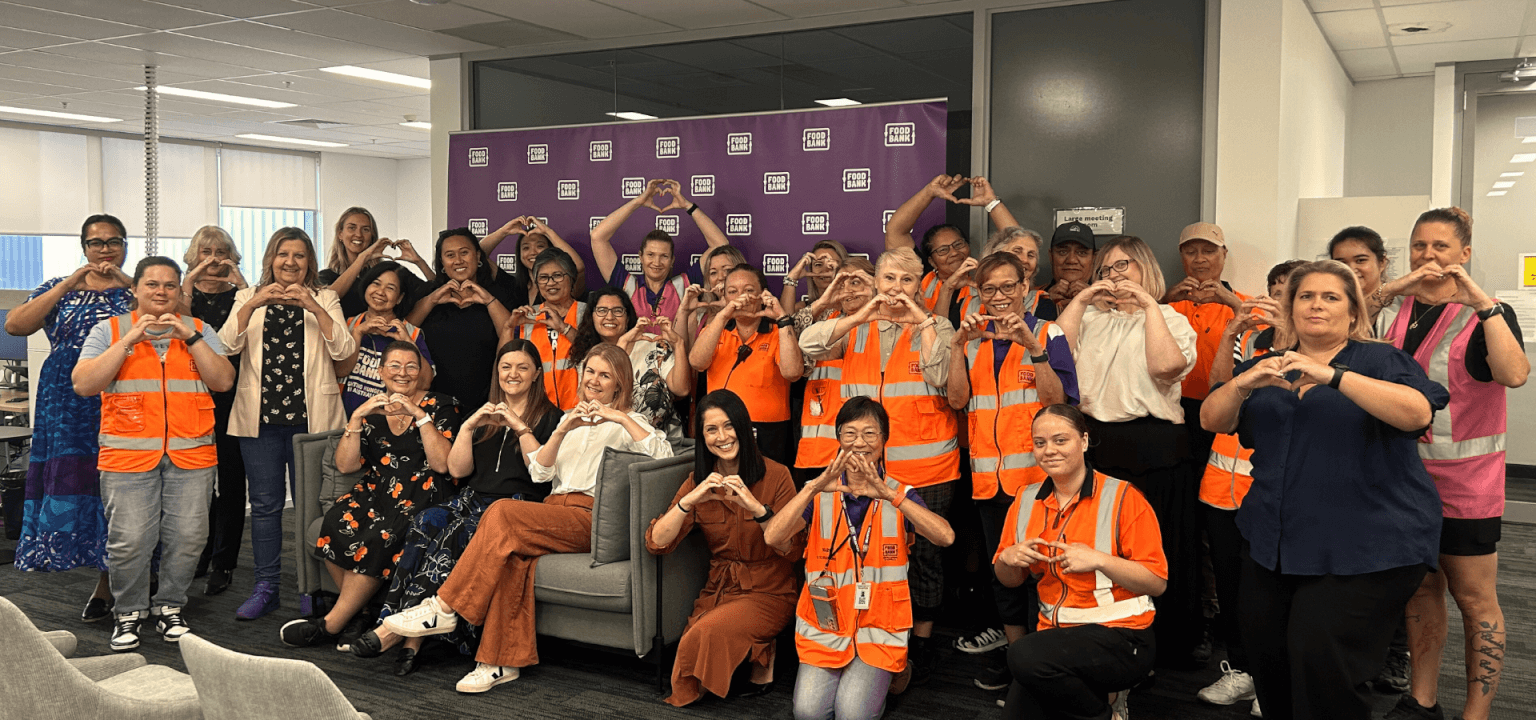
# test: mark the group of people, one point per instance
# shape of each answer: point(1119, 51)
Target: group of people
point(1333, 446)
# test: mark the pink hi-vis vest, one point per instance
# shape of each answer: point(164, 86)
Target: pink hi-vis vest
point(671, 296)
point(1464, 447)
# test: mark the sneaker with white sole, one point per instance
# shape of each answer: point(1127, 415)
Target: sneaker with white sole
point(1255, 711)
point(125, 631)
point(984, 641)
point(168, 623)
point(484, 677)
point(1233, 686)
point(1119, 708)
point(425, 619)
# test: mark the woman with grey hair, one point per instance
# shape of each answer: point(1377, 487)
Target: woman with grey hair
point(559, 315)
point(1024, 244)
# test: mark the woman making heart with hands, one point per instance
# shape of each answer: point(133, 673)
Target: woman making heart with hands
point(464, 314)
point(551, 325)
point(655, 350)
point(386, 287)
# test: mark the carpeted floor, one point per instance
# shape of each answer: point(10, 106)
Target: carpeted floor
point(579, 682)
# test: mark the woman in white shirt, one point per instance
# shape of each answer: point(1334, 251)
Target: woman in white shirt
point(1132, 353)
point(492, 584)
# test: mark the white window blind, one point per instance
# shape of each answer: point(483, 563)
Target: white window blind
point(186, 186)
point(266, 180)
point(47, 188)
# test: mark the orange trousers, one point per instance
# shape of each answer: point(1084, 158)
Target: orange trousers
point(492, 584)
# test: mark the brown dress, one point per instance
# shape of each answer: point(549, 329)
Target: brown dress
point(750, 595)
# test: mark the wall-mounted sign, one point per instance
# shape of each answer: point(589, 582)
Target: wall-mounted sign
point(1103, 220)
point(1528, 271)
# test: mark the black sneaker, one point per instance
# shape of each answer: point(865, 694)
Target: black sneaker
point(922, 657)
point(306, 632)
point(218, 581)
point(994, 678)
point(1408, 708)
point(1394, 676)
point(359, 624)
point(96, 609)
point(125, 633)
point(169, 624)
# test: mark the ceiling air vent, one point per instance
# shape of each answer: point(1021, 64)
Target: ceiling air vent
point(1418, 28)
point(311, 123)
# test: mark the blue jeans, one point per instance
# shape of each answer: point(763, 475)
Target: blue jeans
point(853, 692)
point(268, 460)
point(166, 506)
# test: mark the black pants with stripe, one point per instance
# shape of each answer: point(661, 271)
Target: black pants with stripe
point(1068, 673)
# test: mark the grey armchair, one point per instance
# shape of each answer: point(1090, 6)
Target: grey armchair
point(236, 686)
point(38, 683)
point(316, 486)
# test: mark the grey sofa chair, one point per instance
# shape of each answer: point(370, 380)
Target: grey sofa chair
point(236, 686)
point(96, 668)
point(316, 487)
point(38, 683)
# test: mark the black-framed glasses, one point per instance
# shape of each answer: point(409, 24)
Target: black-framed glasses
point(1119, 266)
point(108, 244)
point(988, 291)
point(617, 312)
point(552, 278)
point(952, 248)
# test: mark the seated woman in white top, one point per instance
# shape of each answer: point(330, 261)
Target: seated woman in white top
point(492, 584)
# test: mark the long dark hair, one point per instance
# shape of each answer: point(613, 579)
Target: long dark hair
point(483, 263)
point(586, 330)
point(538, 399)
point(749, 461)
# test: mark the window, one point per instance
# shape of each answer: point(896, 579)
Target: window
point(253, 227)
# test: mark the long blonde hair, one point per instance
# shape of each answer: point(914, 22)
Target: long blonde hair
point(339, 255)
point(1360, 327)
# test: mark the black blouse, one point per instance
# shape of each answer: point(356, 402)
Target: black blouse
point(352, 303)
point(463, 342)
point(213, 308)
point(282, 366)
point(501, 471)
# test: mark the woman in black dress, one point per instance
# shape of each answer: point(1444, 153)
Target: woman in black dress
point(405, 465)
point(464, 313)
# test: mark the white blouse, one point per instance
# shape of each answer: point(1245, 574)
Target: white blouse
point(580, 457)
point(1112, 377)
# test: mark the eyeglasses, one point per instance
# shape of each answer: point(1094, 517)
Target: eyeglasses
point(108, 244)
point(955, 247)
point(849, 437)
point(617, 312)
point(1006, 289)
point(397, 367)
point(1118, 266)
point(552, 278)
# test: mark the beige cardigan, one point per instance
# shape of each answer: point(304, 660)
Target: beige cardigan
point(322, 394)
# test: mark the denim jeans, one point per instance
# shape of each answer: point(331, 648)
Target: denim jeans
point(268, 460)
point(166, 506)
point(853, 692)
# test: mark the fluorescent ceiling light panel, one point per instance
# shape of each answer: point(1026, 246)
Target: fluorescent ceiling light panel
point(1497, 193)
point(58, 115)
point(418, 125)
point(1504, 184)
point(380, 75)
point(838, 102)
point(1523, 158)
point(219, 97)
point(1529, 140)
point(292, 141)
point(630, 116)
point(1512, 174)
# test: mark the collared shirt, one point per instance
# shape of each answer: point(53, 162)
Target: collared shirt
point(1112, 370)
point(1209, 321)
point(815, 344)
point(580, 458)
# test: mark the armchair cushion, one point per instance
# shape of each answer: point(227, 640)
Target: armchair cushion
point(573, 580)
point(610, 507)
point(333, 483)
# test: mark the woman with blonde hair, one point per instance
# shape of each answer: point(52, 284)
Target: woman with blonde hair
point(355, 247)
point(289, 334)
point(825, 260)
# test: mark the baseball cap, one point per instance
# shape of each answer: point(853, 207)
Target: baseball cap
point(1074, 232)
point(1208, 232)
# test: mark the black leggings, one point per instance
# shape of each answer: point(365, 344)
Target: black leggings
point(226, 509)
point(1068, 673)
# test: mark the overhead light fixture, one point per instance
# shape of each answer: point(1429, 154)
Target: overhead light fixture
point(291, 141)
point(379, 75)
point(1497, 193)
point(1524, 72)
point(1505, 184)
point(1529, 140)
point(418, 125)
point(1523, 158)
point(631, 116)
point(1512, 174)
point(218, 97)
point(838, 102)
point(58, 115)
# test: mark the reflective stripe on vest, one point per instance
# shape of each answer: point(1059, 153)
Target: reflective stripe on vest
point(155, 406)
point(1003, 404)
point(924, 446)
point(1231, 464)
point(1106, 533)
point(559, 367)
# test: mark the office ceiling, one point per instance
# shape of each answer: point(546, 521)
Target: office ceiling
point(86, 56)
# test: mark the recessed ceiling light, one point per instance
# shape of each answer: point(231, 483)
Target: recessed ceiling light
point(57, 115)
point(1497, 193)
point(379, 75)
point(291, 141)
point(1529, 140)
point(1512, 174)
point(1523, 158)
point(219, 97)
point(1505, 184)
point(630, 116)
point(418, 125)
point(838, 102)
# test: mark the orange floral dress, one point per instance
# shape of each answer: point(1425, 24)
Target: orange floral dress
point(365, 531)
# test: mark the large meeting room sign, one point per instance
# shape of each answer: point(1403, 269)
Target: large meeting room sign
point(775, 183)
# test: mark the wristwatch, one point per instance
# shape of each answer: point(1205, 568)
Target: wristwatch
point(197, 336)
point(1486, 315)
point(1042, 357)
point(1338, 374)
point(786, 321)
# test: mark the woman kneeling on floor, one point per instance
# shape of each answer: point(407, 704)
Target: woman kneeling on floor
point(750, 595)
point(405, 466)
point(492, 584)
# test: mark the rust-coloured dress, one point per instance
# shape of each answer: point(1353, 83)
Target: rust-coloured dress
point(750, 595)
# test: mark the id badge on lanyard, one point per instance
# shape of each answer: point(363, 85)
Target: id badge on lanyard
point(863, 589)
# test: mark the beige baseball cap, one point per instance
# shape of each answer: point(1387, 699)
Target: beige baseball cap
point(1208, 232)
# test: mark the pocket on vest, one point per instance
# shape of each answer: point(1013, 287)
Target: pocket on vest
point(122, 414)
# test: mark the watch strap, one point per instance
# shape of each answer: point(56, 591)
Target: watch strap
point(1042, 357)
point(786, 321)
point(1485, 315)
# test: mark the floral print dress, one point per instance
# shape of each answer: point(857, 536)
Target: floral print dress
point(365, 531)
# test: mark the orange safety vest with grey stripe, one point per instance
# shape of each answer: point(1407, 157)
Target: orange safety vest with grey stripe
point(156, 407)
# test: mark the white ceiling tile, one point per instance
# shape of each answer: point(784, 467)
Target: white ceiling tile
point(1422, 58)
point(1320, 6)
point(240, 8)
point(1352, 29)
point(694, 14)
point(26, 40)
point(316, 84)
point(49, 77)
point(415, 66)
point(1368, 63)
point(582, 18)
point(85, 28)
point(425, 17)
point(1528, 46)
point(196, 47)
point(285, 40)
point(130, 12)
point(1469, 19)
point(109, 53)
point(358, 112)
point(417, 104)
point(261, 92)
point(76, 66)
point(812, 8)
point(345, 25)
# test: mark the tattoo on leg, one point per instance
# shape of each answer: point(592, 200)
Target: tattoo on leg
point(1488, 643)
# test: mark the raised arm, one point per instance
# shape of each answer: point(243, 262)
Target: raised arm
point(1506, 353)
point(898, 230)
point(29, 317)
point(602, 236)
point(516, 226)
point(559, 242)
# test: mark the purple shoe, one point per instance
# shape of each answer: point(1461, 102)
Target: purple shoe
point(262, 601)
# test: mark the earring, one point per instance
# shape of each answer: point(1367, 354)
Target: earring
point(482, 264)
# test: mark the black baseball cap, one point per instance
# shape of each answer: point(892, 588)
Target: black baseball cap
point(1074, 232)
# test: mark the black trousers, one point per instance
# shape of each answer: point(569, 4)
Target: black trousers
point(1017, 605)
point(1316, 641)
point(226, 510)
point(1068, 673)
point(777, 441)
point(1227, 553)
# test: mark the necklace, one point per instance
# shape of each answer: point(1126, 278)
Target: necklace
point(1419, 316)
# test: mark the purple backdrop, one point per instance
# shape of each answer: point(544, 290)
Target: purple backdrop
point(775, 183)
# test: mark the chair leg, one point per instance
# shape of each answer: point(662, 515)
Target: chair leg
point(658, 641)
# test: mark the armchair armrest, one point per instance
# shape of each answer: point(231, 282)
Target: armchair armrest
point(662, 600)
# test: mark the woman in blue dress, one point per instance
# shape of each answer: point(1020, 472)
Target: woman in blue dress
point(63, 526)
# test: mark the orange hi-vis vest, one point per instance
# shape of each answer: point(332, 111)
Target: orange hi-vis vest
point(756, 379)
point(928, 292)
point(1071, 598)
point(559, 367)
point(1229, 469)
point(1000, 413)
point(924, 447)
point(1209, 321)
point(818, 416)
point(877, 635)
point(153, 408)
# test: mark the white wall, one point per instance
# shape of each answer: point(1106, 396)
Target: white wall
point(413, 203)
point(397, 192)
point(1391, 127)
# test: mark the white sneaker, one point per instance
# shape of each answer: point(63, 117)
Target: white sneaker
point(425, 619)
point(125, 631)
point(1256, 712)
point(168, 623)
point(984, 641)
point(1233, 686)
point(1118, 708)
point(484, 677)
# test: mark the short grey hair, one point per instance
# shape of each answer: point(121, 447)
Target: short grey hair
point(1004, 236)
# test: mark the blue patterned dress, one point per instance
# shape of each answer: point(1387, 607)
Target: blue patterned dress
point(63, 526)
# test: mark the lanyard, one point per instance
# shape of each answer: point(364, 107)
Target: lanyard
point(859, 548)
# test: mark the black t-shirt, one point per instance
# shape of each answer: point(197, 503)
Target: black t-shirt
point(353, 302)
point(1477, 348)
point(463, 342)
point(501, 471)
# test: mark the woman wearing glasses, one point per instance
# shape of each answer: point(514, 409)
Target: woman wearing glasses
point(1132, 353)
point(947, 289)
point(464, 313)
point(551, 325)
point(654, 348)
point(63, 526)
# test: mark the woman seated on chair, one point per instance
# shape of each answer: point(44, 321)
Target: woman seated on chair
point(750, 595)
point(1093, 541)
point(405, 464)
point(492, 584)
point(490, 459)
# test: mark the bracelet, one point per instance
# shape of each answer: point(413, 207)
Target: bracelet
point(349, 431)
point(691, 209)
point(423, 420)
point(197, 336)
point(993, 204)
point(792, 282)
point(767, 515)
point(525, 431)
point(684, 510)
point(924, 325)
point(896, 501)
point(1042, 357)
